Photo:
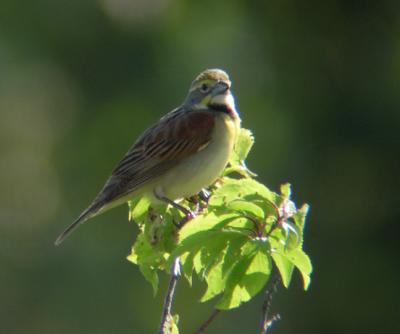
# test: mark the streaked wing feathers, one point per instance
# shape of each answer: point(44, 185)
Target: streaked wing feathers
point(175, 137)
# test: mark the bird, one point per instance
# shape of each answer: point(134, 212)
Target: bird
point(182, 153)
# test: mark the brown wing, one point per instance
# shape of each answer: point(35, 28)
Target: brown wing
point(175, 137)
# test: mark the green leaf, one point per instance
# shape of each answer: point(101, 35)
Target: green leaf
point(295, 231)
point(148, 259)
point(243, 145)
point(171, 325)
point(293, 235)
point(234, 294)
point(192, 243)
point(150, 274)
point(285, 268)
point(197, 264)
point(138, 208)
point(174, 329)
point(300, 217)
point(204, 249)
point(233, 189)
point(246, 208)
point(212, 251)
point(302, 263)
point(204, 223)
point(246, 278)
point(228, 192)
point(233, 252)
point(216, 275)
point(187, 266)
point(286, 191)
point(249, 248)
point(244, 142)
point(296, 257)
point(240, 169)
point(215, 282)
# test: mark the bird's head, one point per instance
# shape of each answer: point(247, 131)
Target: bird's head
point(211, 90)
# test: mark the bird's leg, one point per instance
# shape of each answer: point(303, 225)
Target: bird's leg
point(188, 214)
point(204, 196)
point(200, 200)
point(176, 205)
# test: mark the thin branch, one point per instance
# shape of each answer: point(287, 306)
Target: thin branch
point(166, 314)
point(206, 323)
point(175, 272)
point(268, 321)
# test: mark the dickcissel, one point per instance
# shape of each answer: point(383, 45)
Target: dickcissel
point(185, 151)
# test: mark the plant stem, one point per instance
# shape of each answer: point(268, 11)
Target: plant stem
point(268, 321)
point(206, 323)
point(175, 272)
point(166, 313)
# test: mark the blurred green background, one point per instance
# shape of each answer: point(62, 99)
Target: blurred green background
point(318, 82)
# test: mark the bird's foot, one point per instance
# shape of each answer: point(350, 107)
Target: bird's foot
point(204, 195)
point(200, 201)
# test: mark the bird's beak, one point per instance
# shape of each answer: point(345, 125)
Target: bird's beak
point(220, 88)
point(221, 97)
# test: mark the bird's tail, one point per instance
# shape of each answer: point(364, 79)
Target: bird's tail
point(91, 211)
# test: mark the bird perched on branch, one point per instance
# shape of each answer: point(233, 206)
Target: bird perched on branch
point(185, 151)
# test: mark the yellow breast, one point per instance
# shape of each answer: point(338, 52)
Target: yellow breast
point(203, 168)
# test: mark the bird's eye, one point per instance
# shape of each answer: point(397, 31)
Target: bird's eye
point(204, 88)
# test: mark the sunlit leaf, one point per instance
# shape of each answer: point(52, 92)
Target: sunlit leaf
point(171, 324)
point(240, 169)
point(246, 208)
point(212, 251)
point(233, 189)
point(284, 266)
point(233, 252)
point(215, 282)
point(293, 235)
point(203, 223)
point(243, 145)
point(286, 191)
point(187, 266)
point(147, 259)
point(138, 208)
point(246, 279)
point(302, 263)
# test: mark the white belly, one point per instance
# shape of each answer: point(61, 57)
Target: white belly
point(204, 167)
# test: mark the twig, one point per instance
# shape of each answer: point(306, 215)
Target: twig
point(175, 270)
point(268, 321)
point(166, 314)
point(206, 323)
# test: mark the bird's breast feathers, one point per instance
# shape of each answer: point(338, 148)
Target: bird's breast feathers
point(204, 167)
